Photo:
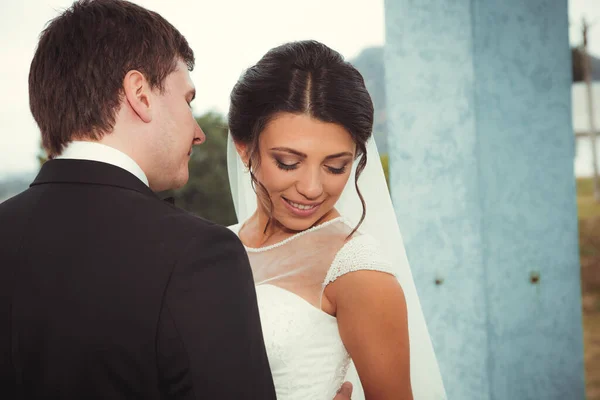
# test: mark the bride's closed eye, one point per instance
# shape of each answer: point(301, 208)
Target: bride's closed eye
point(292, 166)
point(286, 167)
point(337, 171)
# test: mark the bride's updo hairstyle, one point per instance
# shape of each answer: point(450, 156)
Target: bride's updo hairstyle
point(304, 77)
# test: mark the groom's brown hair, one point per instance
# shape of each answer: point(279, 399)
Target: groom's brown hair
point(76, 76)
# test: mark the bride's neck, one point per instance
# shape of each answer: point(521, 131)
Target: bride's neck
point(261, 230)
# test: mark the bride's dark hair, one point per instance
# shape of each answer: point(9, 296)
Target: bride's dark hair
point(304, 77)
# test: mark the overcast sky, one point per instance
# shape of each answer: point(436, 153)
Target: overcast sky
point(226, 35)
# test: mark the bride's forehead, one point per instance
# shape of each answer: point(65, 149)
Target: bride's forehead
point(301, 123)
point(306, 134)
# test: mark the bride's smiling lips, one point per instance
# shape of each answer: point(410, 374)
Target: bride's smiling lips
point(301, 209)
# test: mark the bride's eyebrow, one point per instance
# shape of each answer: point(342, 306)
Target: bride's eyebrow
point(300, 154)
point(288, 150)
point(338, 155)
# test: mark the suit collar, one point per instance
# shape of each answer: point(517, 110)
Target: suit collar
point(94, 151)
point(89, 172)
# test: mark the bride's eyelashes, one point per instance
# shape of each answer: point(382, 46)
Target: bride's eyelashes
point(286, 167)
point(337, 171)
point(289, 167)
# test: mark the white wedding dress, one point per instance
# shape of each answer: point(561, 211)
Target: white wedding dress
point(307, 357)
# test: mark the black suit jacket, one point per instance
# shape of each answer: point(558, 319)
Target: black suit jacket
point(107, 292)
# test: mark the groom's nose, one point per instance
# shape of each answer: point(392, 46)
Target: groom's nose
point(199, 136)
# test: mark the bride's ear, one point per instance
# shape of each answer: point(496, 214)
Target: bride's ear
point(242, 150)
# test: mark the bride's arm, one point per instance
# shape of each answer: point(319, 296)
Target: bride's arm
point(372, 317)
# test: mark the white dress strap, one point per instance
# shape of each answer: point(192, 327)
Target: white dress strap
point(359, 253)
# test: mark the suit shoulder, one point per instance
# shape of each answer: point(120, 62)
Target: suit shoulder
point(219, 235)
point(21, 201)
point(183, 222)
point(214, 248)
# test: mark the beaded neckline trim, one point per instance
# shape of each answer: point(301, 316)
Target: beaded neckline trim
point(294, 236)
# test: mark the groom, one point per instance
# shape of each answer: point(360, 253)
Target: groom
point(106, 291)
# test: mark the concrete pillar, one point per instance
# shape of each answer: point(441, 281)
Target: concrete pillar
point(481, 172)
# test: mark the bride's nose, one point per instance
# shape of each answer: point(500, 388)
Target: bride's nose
point(309, 185)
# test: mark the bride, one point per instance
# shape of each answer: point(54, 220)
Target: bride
point(334, 287)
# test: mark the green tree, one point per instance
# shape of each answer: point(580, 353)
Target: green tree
point(207, 192)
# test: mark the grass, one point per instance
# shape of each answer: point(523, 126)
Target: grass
point(587, 206)
point(591, 338)
point(589, 250)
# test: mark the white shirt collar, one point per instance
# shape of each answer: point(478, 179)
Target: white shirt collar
point(92, 151)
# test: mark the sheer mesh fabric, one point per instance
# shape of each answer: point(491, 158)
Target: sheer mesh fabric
point(300, 263)
point(307, 262)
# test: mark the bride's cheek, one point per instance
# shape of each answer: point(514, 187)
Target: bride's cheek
point(339, 186)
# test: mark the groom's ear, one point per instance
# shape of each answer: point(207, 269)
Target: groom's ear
point(137, 93)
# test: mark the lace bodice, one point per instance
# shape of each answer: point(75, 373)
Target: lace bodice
point(307, 356)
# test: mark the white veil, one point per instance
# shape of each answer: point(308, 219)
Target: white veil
point(381, 223)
